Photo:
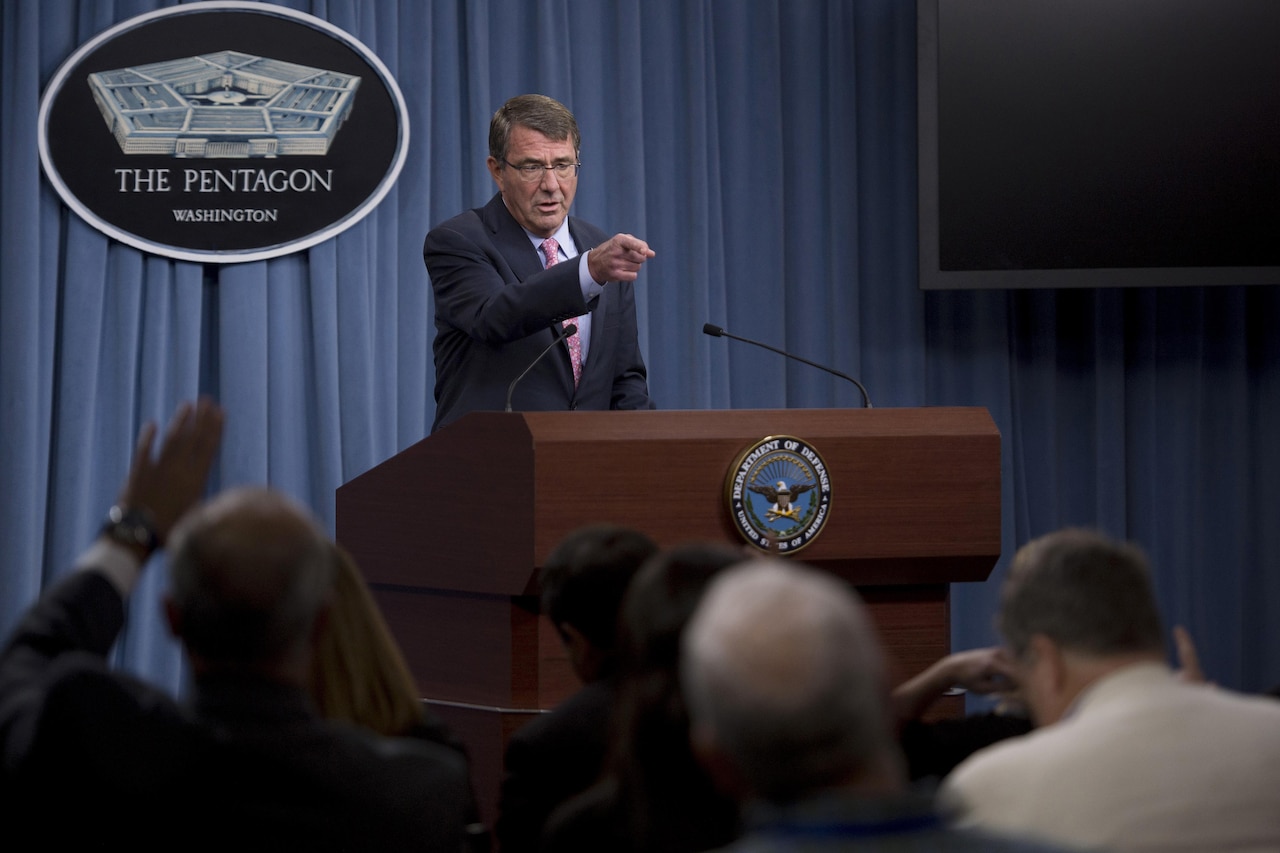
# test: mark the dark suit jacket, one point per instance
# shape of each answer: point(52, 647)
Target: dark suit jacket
point(496, 309)
point(550, 759)
point(94, 758)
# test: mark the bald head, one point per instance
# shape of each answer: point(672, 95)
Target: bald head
point(784, 675)
point(249, 572)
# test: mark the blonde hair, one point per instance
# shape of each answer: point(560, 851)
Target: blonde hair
point(359, 674)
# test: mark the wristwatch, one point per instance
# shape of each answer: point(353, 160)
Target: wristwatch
point(132, 527)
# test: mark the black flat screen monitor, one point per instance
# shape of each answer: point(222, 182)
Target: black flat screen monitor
point(1097, 143)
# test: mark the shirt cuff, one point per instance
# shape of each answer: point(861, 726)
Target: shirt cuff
point(590, 287)
point(120, 565)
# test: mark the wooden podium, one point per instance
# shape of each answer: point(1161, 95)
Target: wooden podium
point(450, 533)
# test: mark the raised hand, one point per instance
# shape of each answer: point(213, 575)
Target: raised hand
point(166, 484)
point(619, 258)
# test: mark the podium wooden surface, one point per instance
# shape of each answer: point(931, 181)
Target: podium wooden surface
point(450, 533)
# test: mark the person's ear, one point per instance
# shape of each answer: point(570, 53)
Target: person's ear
point(583, 655)
point(570, 636)
point(1049, 658)
point(1048, 686)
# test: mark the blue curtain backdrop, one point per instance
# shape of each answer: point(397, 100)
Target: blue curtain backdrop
point(766, 149)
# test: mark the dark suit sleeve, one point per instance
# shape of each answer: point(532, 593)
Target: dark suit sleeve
point(630, 377)
point(550, 759)
point(478, 293)
point(73, 624)
point(523, 801)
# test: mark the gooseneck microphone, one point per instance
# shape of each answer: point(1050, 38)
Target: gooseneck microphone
point(567, 332)
point(717, 332)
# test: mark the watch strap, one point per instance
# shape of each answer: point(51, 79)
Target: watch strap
point(131, 526)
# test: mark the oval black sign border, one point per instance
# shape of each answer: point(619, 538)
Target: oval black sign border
point(222, 255)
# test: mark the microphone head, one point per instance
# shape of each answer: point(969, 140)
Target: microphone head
point(712, 330)
point(571, 330)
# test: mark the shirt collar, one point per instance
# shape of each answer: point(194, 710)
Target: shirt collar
point(562, 237)
point(1136, 678)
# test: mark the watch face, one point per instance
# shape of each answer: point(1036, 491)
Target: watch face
point(130, 527)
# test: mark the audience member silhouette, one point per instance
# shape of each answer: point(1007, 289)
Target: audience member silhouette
point(654, 797)
point(1128, 755)
point(557, 755)
point(936, 747)
point(790, 711)
point(96, 758)
point(359, 674)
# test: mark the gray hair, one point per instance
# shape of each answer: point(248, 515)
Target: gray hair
point(248, 573)
point(782, 665)
point(537, 112)
point(1088, 593)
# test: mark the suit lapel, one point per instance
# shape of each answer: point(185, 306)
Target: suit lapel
point(511, 239)
point(514, 245)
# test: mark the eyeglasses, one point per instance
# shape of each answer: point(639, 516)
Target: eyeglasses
point(531, 172)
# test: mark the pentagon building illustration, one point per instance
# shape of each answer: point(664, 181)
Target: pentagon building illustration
point(224, 105)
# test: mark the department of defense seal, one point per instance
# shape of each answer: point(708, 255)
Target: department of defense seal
point(779, 494)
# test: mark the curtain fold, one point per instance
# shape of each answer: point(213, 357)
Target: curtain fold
point(766, 149)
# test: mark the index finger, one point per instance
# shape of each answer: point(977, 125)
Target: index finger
point(141, 456)
point(634, 244)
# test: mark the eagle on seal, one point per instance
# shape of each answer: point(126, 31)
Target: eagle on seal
point(780, 495)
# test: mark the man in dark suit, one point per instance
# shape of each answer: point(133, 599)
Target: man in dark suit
point(559, 754)
point(503, 293)
point(94, 757)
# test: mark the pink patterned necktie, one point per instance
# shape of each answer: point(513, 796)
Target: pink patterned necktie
point(551, 249)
